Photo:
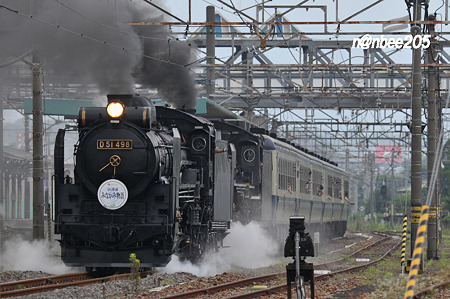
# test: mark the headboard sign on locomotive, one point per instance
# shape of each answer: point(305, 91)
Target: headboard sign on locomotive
point(157, 181)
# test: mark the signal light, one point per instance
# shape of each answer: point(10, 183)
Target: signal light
point(115, 109)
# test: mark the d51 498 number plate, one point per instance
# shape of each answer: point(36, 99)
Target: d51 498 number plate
point(114, 144)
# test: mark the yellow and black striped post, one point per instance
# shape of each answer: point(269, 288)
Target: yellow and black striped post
point(433, 233)
point(418, 251)
point(405, 224)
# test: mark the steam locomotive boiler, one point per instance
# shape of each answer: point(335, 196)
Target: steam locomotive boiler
point(146, 181)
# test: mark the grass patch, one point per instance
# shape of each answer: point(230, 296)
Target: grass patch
point(168, 281)
point(346, 258)
point(393, 284)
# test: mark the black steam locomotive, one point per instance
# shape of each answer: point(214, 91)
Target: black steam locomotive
point(156, 181)
point(146, 182)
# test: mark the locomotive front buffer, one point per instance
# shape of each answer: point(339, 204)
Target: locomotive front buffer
point(299, 245)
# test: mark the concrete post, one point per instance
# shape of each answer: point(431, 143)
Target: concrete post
point(210, 52)
point(416, 132)
point(27, 195)
point(433, 130)
point(38, 155)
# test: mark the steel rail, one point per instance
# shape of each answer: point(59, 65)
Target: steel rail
point(288, 67)
point(431, 289)
point(229, 285)
point(280, 288)
point(52, 283)
point(21, 284)
point(222, 287)
point(285, 23)
point(353, 253)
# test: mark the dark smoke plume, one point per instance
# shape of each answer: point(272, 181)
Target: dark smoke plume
point(89, 41)
point(173, 81)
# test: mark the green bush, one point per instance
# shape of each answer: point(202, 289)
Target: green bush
point(446, 222)
point(135, 277)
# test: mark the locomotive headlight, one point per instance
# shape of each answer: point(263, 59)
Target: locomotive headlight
point(115, 109)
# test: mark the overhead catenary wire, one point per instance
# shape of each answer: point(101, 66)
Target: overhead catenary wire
point(216, 84)
point(121, 31)
point(239, 15)
point(105, 25)
point(17, 59)
point(219, 7)
point(82, 35)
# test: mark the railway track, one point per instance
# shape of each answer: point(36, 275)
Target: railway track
point(45, 284)
point(353, 254)
point(431, 289)
point(272, 284)
point(225, 286)
point(276, 283)
point(282, 287)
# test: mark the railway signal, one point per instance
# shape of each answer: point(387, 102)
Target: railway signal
point(299, 245)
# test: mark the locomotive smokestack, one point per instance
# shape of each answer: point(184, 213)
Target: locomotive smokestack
point(189, 110)
point(130, 100)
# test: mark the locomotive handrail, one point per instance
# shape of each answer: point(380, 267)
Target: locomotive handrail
point(164, 217)
point(111, 215)
point(244, 185)
point(53, 189)
point(186, 191)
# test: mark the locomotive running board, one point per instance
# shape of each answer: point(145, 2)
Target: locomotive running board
point(220, 226)
point(244, 186)
point(176, 166)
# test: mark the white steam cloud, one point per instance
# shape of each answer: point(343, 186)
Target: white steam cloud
point(251, 247)
point(21, 255)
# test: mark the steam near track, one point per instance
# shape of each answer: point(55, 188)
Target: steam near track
point(250, 247)
point(22, 255)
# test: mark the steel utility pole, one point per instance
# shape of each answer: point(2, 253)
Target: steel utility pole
point(27, 195)
point(392, 188)
point(210, 52)
point(372, 175)
point(433, 132)
point(416, 132)
point(38, 155)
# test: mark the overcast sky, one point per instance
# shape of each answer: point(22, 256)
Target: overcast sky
point(386, 10)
